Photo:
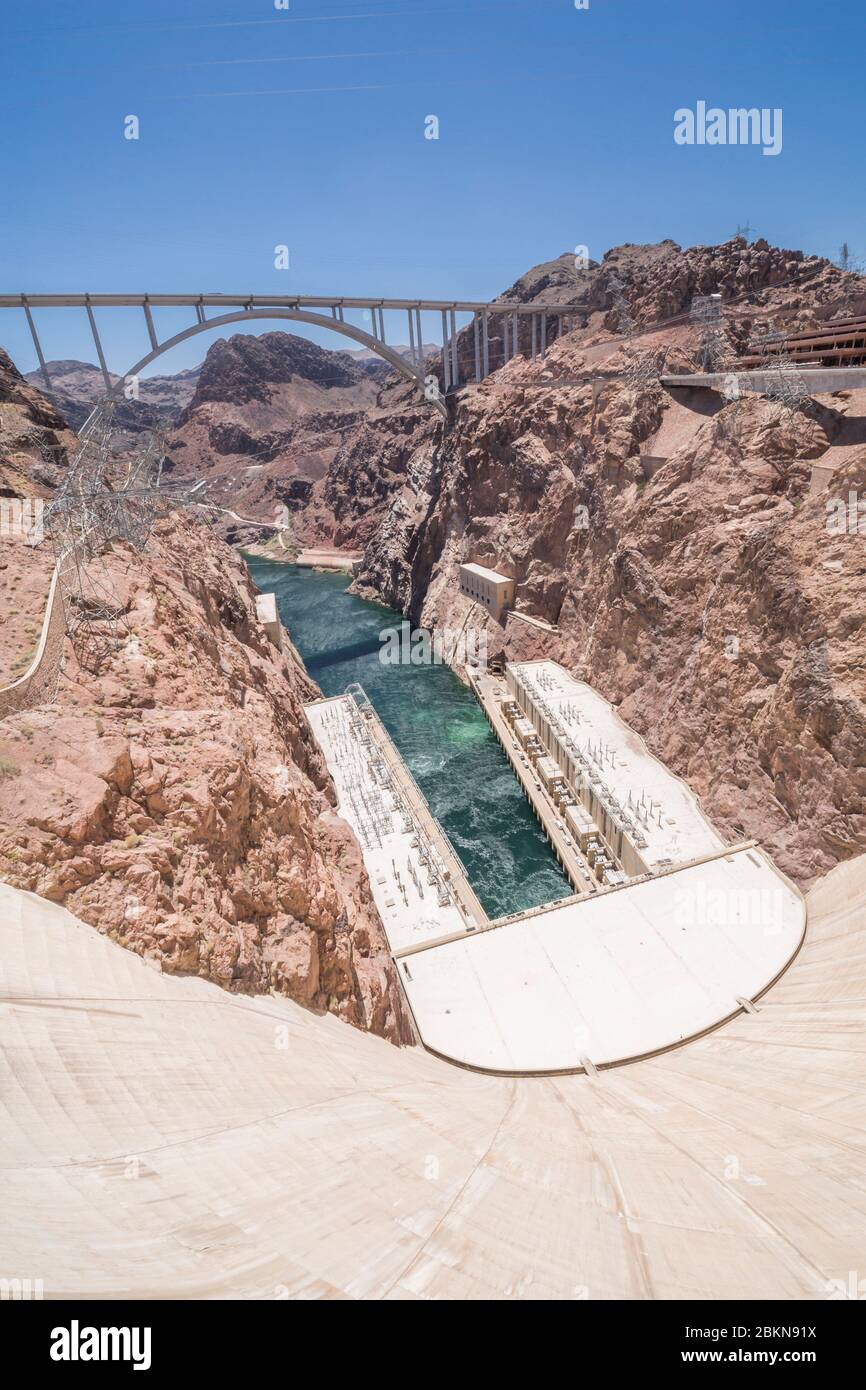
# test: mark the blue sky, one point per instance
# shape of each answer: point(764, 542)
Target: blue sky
point(305, 127)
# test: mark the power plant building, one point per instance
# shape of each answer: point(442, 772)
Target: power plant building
point(645, 816)
point(494, 590)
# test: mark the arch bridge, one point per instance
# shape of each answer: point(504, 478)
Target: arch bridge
point(496, 331)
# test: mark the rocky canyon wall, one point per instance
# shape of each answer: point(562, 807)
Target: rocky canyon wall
point(671, 539)
point(176, 799)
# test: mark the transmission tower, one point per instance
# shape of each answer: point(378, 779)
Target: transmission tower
point(714, 348)
point(102, 501)
point(848, 261)
point(785, 382)
point(639, 372)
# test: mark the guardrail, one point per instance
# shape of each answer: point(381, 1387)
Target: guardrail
point(38, 685)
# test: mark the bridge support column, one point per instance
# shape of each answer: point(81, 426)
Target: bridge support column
point(477, 334)
point(414, 356)
point(98, 345)
point(543, 336)
point(505, 352)
point(534, 337)
point(151, 331)
point(446, 359)
point(35, 336)
point(516, 327)
point(455, 361)
point(485, 343)
point(419, 338)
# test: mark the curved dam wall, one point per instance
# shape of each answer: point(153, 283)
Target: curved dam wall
point(160, 1138)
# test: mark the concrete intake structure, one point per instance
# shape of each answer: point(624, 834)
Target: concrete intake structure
point(268, 616)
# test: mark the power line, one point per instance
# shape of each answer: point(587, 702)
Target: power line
point(375, 53)
point(521, 78)
point(424, 12)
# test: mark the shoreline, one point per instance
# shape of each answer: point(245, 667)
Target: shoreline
point(307, 558)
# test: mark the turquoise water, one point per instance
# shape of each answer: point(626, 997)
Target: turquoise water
point(438, 727)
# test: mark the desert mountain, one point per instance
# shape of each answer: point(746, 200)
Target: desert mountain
point(36, 442)
point(267, 417)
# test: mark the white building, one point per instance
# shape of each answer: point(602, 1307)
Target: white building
point(268, 616)
point(495, 591)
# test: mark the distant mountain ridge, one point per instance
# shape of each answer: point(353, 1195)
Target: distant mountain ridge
point(77, 386)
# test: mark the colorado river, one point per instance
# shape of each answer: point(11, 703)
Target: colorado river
point(438, 728)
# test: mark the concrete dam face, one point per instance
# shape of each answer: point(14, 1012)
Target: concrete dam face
point(161, 1138)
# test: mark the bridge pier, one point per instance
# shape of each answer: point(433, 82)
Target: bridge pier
point(455, 362)
point(98, 345)
point(35, 336)
point(414, 354)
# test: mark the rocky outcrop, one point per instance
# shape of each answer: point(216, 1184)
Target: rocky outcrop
point(35, 450)
point(36, 443)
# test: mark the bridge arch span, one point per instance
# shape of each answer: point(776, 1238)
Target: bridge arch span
point(348, 330)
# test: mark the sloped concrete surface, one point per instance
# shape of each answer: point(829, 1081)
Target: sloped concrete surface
point(161, 1138)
